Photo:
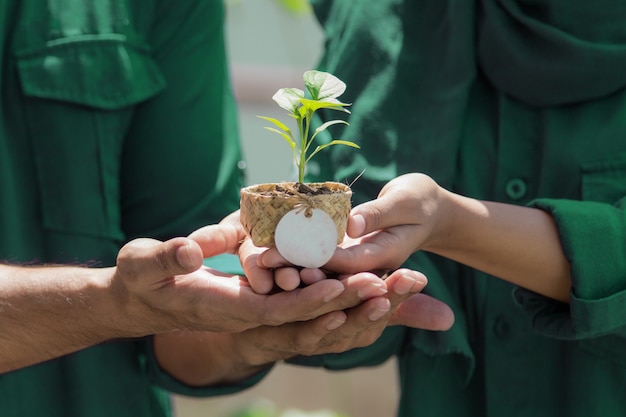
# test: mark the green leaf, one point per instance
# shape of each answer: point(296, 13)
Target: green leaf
point(338, 142)
point(323, 90)
point(287, 137)
point(326, 125)
point(330, 123)
point(289, 99)
point(302, 110)
point(276, 122)
point(314, 105)
point(323, 85)
point(331, 143)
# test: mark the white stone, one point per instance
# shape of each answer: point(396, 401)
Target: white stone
point(306, 237)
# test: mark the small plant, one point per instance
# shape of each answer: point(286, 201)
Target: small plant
point(280, 214)
point(324, 89)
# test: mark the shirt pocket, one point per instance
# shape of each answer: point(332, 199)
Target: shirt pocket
point(605, 181)
point(79, 93)
point(611, 347)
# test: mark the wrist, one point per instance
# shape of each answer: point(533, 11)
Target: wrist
point(204, 358)
point(109, 305)
point(443, 219)
point(121, 313)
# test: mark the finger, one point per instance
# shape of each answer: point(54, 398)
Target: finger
point(404, 281)
point(217, 239)
point(287, 278)
point(366, 321)
point(159, 259)
point(423, 312)
point(321, 297)
point(270, 344)
point(234, 219)
point(419, 310)
point(363, 326)
point(383, 250)
point(261, 279)
point(310, 275)
point(333, 332)
point(310, 335)
point(272, 259)
point(297, 305)
point(391, 208)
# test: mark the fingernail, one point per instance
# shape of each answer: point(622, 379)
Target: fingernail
point(333, 294)
point(359, 224)
point(372, 290)
point(184, 257)
point(334, 323)
point(379, 312)
point(408, 284)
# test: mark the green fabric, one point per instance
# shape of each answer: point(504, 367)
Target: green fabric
point(116, 121)
point(521, 102)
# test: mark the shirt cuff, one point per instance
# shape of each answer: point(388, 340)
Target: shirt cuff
point(593, 237)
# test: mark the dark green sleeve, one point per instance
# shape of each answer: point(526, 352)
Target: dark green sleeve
point(593, 236)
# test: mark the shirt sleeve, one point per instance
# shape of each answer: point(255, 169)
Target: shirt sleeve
point(593, 236)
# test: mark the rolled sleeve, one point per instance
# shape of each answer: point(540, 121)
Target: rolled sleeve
point(593, 237)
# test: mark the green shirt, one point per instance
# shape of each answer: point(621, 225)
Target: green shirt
point(116, 121)
point(517, 101)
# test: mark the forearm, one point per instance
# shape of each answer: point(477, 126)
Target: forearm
point(51, 311)
point(515, 243)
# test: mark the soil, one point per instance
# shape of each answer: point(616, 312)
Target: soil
point(298, 188)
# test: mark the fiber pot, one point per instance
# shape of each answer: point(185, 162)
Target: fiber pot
point(263, 206)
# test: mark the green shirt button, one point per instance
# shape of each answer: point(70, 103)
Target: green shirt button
point(502, 328)
point(516, 189)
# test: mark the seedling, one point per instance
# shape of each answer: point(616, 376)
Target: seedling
point(323, 89)
point(281, 214)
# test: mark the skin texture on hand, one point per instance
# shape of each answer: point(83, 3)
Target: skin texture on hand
point(267, 270)
point(49, 311)
point(518, 244)
point(227, 357)
point(353, 319)
point(155, 288)
point(412, 213)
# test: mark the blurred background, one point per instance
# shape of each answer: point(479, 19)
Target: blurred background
point(271, 43)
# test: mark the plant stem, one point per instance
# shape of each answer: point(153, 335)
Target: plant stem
point(304, 145)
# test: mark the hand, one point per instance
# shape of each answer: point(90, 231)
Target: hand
point(420, 311)
point(355, 318)
point(381, 234)
point(408, 214)
point(166, 287)
point(360, 325)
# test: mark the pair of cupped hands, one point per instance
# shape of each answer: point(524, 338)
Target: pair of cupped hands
point(287, 310)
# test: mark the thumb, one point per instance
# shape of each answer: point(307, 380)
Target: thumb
point(152, 257)
point(394, 206)
point(368, 217)
point(217, 239)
